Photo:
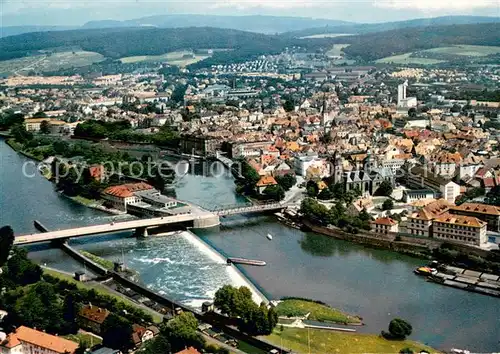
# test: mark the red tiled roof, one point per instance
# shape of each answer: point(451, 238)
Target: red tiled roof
point(43, 340)
point(385, 221)
point(127, 190)
point(460, 220)
point(94, 313)
point(189, 350)
point(266, 181)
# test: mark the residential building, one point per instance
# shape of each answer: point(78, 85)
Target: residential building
point(409, 195)
point(487, 213)
point(105, 350)
point(118, 197)
point(25, 340)
point(249, 149)
point(265, 182)
point(311, 163)
point(419, 177)
point(92, 317)
point(142, 334)
point(459, 228)
point(420, 222)
point(33, 124)
point(199, 145)
point(385, 225)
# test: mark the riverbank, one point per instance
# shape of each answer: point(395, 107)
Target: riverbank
point(101, 289)
point(405, 246)
point(301, 340)
point(314, 311)
point(19, 149)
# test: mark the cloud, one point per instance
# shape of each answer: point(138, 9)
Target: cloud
point(431, 5)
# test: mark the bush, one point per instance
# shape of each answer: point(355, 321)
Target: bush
point(398, 329)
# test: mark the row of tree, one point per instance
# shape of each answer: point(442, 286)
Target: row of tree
point(238, 303)
point(337, 215)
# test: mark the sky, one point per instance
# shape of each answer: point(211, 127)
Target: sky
point(77, 12)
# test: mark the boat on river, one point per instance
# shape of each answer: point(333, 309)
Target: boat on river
point(425, 271)
point(269, 237)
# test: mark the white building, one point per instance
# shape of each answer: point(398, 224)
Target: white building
point(26, 340)
point(403, 101)
point(459, 228)
point(303, 163)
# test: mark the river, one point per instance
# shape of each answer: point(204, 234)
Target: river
point(376, 284)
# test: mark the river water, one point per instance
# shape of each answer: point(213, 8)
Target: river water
point(375, 284)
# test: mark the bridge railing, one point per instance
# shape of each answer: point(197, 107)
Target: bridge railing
point(248, 208)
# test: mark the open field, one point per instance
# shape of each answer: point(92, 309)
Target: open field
point(327, 35)
point(406, 59)
point(49, 62)
point(460, 50)
point(101, 289)
point(173, 58)
point(326, 341)
point(318, 312)
point(466, 50)
point(336, 50)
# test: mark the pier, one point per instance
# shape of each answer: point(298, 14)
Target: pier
point(254, 262)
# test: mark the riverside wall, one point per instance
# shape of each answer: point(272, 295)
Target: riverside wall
point(406, 245)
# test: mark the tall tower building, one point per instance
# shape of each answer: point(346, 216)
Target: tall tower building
point(338, 168)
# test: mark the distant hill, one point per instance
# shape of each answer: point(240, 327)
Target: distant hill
point(387, 26)
point(372, 46)
point(15, 30)
point(122, 42)
point(259, 24)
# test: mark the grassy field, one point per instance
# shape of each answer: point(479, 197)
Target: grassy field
point(173, 58)
point(466, 50)
point(461, 50)
point(336, 50)
point(318, 312)
point(327, 35)
point(49, 62)
point(101, 261)
point(101, 289)
point(325, 341)
point(83, 338)
point(406, 59)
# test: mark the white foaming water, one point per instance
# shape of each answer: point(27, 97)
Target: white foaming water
point(178, 265)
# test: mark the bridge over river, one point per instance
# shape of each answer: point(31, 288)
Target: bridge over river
point(198, 218)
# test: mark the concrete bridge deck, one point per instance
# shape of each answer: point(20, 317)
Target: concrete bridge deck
point(200, 219)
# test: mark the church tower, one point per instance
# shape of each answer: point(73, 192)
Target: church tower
point(338, 168)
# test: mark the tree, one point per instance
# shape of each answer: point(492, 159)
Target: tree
point(6, 241)
point(21, 270)
point(20, 134)
point(287, 181)
point(156, 345)
point(224, 299)
point(44, 127)
point(398, 329)
point(388, 204)
point(275, 193)
point(40, 114)
point(289, 106)
point(385, 189)
point(312, 188)
point(406, 351)
point(325, 194)
point(181, 332)
point(117, 333)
